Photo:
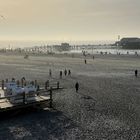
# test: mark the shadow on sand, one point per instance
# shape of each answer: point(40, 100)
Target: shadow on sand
point(39, 124)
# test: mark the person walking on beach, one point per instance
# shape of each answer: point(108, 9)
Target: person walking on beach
point(85, 61)
point(69, 73)
point(136, 53)
point(13, 79)
point(77, 87)
point(61, 74)
point(136, 73)
point(50, 72)
point(65, 72)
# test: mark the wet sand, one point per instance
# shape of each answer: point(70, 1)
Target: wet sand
point(107, 105)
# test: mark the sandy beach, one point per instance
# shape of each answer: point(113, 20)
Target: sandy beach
point(107, 106)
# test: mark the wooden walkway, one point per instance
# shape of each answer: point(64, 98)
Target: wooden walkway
point(23, 101)
point(13, 102)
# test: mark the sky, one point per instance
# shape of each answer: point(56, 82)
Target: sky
point(81, 20)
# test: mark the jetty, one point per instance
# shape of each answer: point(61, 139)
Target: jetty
point(13, 96)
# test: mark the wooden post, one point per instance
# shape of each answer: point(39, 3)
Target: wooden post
point(35, 83)
point(46, 84)
point(51, 97)
point(25, 83)
point(2, 85)
point(32, 83)
point(22, 82)
point(58, 85)
point(13, 79)
point(38, 87)
point(18, 83)
point(50, 72)
point(6, 80)
point(23, 97)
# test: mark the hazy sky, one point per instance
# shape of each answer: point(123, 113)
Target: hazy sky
point(69, 19)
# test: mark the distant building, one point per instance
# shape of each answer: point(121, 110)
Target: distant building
point(63, 47)
point(129, 43)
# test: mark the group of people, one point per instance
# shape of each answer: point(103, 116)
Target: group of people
point(66, 72)
point(86, 60)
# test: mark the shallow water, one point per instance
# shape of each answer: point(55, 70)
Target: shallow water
point(108, 51)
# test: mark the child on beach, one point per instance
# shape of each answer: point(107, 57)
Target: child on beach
point(60, 74)
point(69, 72)
point(50, 72)
point(77, 86)
point(136, 73)
point(85, 61)
point(65, 72)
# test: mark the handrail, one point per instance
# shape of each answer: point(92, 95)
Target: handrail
point(21, 94)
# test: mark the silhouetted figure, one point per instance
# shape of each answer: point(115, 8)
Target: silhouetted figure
point(23, 78)
point(136, 73)
point(2, 84)
point(84, 53)
point(77, 86)
point(65, 72)
point(23, 81)
point(93, 57)
point(61, 74)
point(136, 53)
point(32, 83)
point(13, 79)
point(18, 83)
point(50, 72)
point(85, 61)
point(38, 87)
point(69, 72)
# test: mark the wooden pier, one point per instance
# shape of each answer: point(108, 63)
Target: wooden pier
point(23, 101)
point(26, 100)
